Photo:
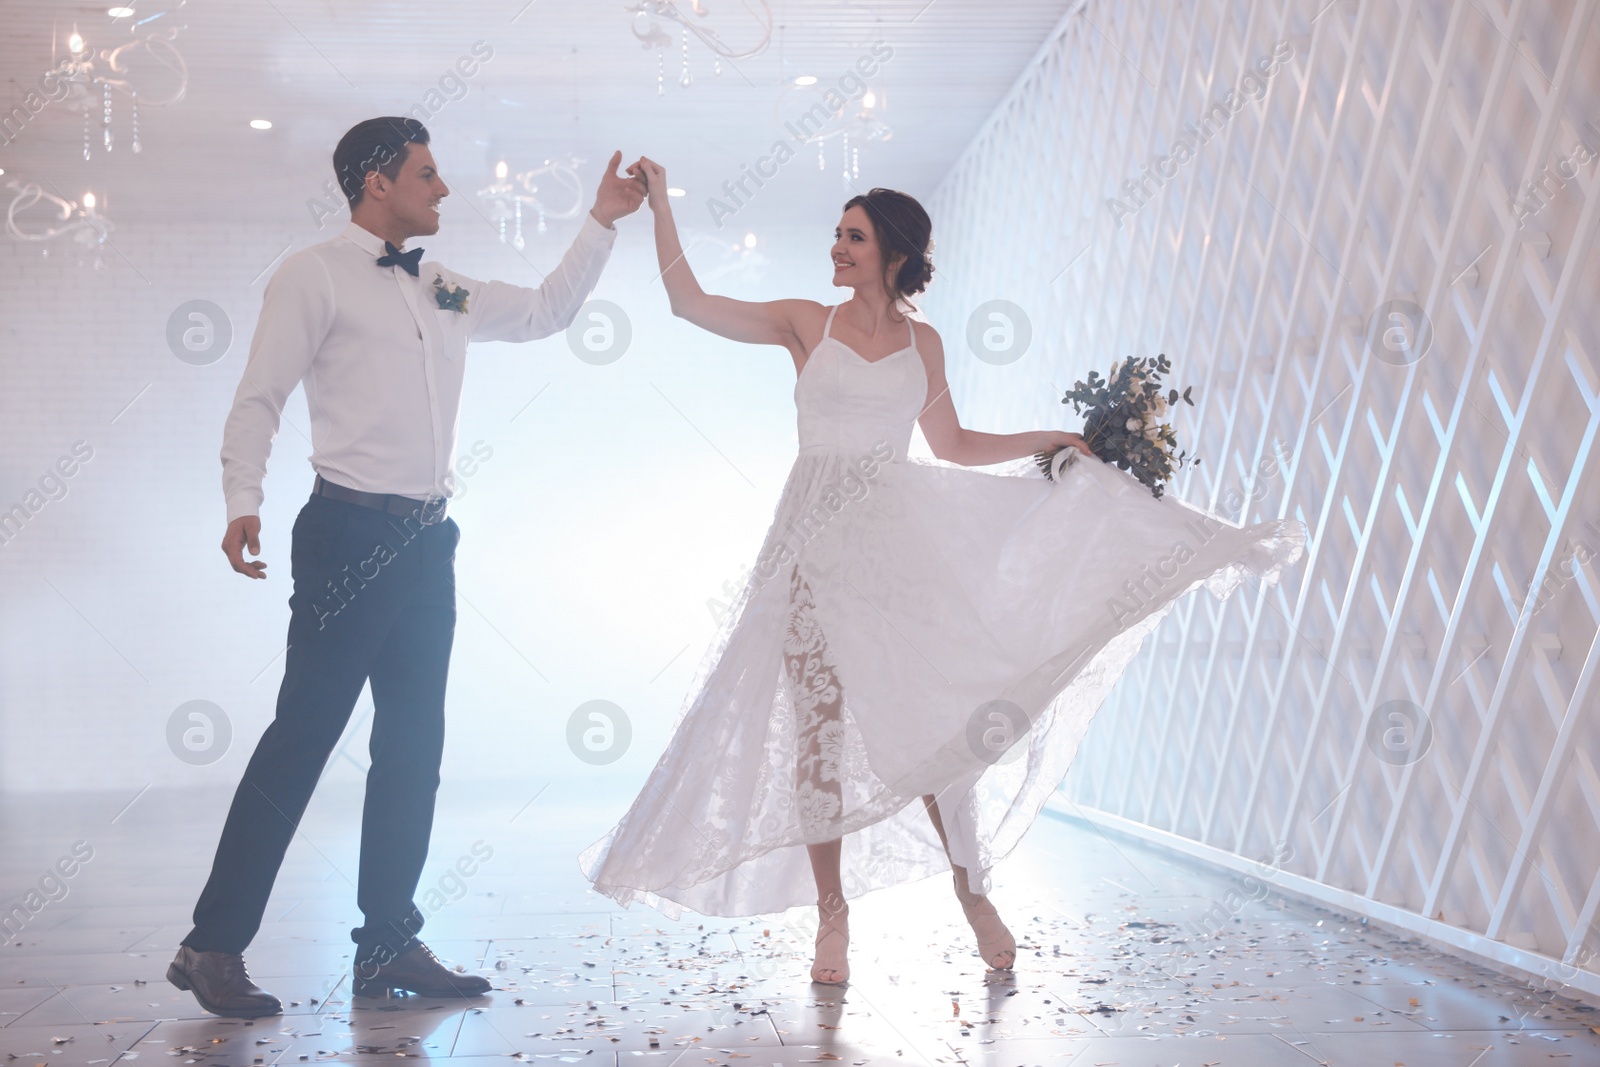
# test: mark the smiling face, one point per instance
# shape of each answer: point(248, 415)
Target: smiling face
point(857, 256)
point(409, 202)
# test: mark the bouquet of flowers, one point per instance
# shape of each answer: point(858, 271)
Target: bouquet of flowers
point(1122, 422)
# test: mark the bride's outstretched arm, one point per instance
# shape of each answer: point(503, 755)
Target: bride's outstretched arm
point(756, 322)
point(954, 443)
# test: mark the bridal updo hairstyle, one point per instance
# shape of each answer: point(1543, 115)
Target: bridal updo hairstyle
point(903, 229)
point(374, 145)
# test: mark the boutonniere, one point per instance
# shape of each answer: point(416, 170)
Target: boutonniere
point(451, 297)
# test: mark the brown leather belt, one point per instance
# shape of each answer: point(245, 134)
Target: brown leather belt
point(427, 512)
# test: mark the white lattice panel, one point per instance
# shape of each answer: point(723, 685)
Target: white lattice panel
point(1413, 711)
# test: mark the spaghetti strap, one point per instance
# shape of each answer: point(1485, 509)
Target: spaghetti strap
point(913, 324)
point(827, 327)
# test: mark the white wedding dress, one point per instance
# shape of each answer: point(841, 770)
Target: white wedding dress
point(901, 620)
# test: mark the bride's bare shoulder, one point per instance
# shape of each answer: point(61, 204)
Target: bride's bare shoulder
point(807, 319)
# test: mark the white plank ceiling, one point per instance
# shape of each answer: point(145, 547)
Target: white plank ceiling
point(565, 79)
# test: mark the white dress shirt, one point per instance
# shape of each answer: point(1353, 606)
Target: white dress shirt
point(381, 361)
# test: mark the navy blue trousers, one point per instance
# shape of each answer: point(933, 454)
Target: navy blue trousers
point(373, 601)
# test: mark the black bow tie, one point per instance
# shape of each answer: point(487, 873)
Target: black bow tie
point(396, 258)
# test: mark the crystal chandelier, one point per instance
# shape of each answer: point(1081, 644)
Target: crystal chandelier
point(89, 77)
point(650, 15)
point(79, 219)
point(852, 123)
point(504, 200)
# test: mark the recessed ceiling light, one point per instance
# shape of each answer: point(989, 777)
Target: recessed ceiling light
point(260, 124)
point(749, 240)
point(119, 12)
point(805, 79)
point(675, 191)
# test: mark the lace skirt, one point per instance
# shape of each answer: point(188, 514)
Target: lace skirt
point(910, 629)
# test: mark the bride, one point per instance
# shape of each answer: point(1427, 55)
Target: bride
point(906, 674)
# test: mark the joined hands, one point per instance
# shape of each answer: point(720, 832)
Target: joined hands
point(617, 196)
point(654, 177)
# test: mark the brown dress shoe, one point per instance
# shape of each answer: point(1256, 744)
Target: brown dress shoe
point(418, 971)
point(221, 984)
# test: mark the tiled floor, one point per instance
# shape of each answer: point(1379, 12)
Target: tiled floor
point(1112, 970)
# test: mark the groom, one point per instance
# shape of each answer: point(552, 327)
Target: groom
point(379, 341)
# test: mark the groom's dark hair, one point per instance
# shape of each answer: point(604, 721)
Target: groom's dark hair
point(374, 145)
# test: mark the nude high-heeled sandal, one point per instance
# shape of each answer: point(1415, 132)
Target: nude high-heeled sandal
point(829, 966)
point(995, 943)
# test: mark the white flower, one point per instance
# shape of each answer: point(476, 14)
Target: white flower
point(816, 808)
point(1131, 424)
point(830, 749)
point(1161, 405)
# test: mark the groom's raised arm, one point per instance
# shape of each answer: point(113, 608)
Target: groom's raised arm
point(506, 312)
